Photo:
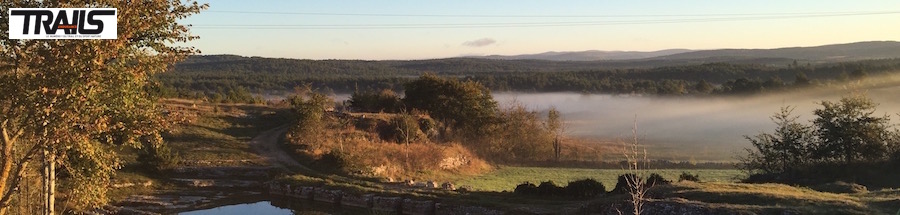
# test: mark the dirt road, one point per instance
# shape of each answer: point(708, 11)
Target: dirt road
point(266, 144)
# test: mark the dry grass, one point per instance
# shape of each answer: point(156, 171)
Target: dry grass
point(764, 198)
point(365, 153)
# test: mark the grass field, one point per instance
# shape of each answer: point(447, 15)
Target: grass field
point(506, 178)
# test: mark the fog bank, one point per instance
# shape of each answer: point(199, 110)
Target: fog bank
point(682, 128)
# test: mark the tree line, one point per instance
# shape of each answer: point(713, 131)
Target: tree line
point(231, 78)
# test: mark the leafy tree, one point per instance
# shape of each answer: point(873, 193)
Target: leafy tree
point(309, 107)
point(464, 105)
point(70, 101)
point(382, 101)
point(800, 80)
point(782, 150)
point(703, 87)
point(555, 125)
point(849, 131)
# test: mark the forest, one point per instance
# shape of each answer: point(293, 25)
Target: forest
point(229, 78)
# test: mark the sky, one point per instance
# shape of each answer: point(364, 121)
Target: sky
point(403, 30)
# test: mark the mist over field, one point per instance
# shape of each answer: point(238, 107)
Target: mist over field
point(684, 128)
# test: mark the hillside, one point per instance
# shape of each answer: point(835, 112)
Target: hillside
point(590, 55)
point(826, 53)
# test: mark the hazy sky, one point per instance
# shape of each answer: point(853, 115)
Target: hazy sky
point(378, 30)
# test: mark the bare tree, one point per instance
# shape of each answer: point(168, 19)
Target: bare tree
point(636, 158)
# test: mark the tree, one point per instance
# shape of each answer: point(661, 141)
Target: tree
point(555, 125)
point(703, 87)
point(464, 105)
point(800, 80)
point(70, 101)
point(382, 101)
point(309, 109)
point(783, 150)
point(848, 130)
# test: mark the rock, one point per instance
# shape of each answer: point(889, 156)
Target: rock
point(386, 204)
point(453, 162)
point(307, 193)
point(415, 207)
point(431, 185)
point(330, 196)
point(363, 201)
point(448, 186)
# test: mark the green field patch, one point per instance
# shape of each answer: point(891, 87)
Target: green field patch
point(506, 178)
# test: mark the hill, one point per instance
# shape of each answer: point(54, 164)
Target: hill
point(590, 55)
point(826, 53)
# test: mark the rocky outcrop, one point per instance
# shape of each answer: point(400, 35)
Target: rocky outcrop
point(414, 207)
point(387, 204)
point(382, 204)
point(329, 196)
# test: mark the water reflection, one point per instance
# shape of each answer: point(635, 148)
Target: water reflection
point(277, 205)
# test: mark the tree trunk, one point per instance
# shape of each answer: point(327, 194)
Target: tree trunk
point(49, 182)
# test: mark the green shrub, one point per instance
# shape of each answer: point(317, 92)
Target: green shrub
point(622, 183)
point(688, 177)
point(585, 188)
point(656, 179)
point(548, 188)
point(526, 188)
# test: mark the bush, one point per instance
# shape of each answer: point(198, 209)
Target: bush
point(382, 101)
point(397, 128)
point(366, 124)
point(688, 177)
point(548, 188)
point(156, 155)
point(331, 161)
point(656, 179)
point(585, 188)
point(526, 188)
point(622, 183)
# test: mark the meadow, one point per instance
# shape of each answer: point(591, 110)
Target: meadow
point(506, 178)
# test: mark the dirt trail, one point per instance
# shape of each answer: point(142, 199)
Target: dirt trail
point(266, 144)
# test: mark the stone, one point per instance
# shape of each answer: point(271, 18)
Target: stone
point(418, 207)
point(386, 204)
point(448, 186)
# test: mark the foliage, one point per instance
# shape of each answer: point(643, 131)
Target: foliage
point(526, 188)
point(157, 156)
point(402, 128)
point(656, 179)
point(516, 135)
point(548, 188)
point(844, 142)
point(467, 106)
point(309, 112)
point(373, 102)
point(622, 182)
point(76, 98)
point(685, 176)
point(202, 75)
point(506, 178)
point(585, 188)
point(848, 130)
point(788, 147)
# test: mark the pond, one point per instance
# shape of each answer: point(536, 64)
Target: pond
point(263, 207)
point(277, 206)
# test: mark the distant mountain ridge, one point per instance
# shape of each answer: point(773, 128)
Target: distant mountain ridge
point(824, 53)
point(590, 55)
